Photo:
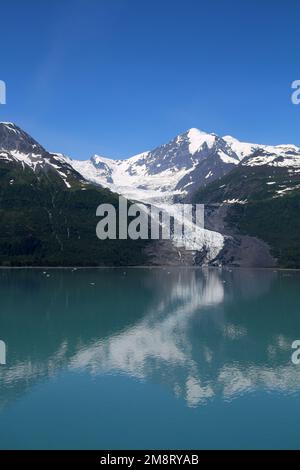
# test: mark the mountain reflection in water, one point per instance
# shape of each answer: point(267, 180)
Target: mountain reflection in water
point(201, 333)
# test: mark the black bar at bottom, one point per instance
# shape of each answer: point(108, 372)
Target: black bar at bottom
point(135, 458)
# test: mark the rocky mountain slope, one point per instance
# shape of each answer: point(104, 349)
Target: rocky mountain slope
point(48, 210)
point(257, 208)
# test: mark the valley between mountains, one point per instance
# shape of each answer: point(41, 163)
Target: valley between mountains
point(251, 194)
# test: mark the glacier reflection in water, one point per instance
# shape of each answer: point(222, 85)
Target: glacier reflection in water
point(202, 333)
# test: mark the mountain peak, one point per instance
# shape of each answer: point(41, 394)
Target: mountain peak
point(9, 127)
point(198, 138)
point(195, 130)
point(13, 138)
point(7, 123)
point(230, 138)
point(241, 149)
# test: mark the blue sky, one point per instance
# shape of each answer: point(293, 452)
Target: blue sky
point(117, 77)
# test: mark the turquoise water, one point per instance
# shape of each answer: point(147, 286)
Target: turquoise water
point(149, 358)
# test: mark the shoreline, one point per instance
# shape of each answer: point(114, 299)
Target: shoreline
point(163, 267)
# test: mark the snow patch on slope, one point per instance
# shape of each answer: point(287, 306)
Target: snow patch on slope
point(198, 138)
point(241, 149)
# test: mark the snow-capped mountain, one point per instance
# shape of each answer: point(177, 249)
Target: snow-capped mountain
point(15, 140)
point(172, 172)
point(257, 154)
point(189, 161)
point(168, 171)
point(19, 147)
point(176, 170)
point(287, 156)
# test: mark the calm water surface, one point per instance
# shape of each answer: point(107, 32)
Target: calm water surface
point(149, 358)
